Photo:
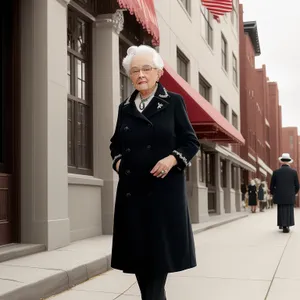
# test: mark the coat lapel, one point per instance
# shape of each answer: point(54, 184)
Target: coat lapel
point(157, 104)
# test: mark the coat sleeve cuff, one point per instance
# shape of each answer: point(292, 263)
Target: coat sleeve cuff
point(115, 160)
point(182, 161)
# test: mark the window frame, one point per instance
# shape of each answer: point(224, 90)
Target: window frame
point(186, 5)
point(205, 86)
point(234, 116)
point(223, 102)
point(125, 92)
point(183, 60)
point(206, 20)
point(235, 74)
point(224, 52)
point(76, 103)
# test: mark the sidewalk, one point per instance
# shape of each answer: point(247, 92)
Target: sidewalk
point(246, 260)
point(41, 275)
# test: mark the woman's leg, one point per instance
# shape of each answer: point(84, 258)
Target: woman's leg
point(152, 287)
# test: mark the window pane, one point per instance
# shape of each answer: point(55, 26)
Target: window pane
point(81, 40)
point(69, 74)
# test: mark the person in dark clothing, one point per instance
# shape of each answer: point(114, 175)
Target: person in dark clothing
point(252, 196)
point(284, 187)
point(261, 197)
point(151, 147)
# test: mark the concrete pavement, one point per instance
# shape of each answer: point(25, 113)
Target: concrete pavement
point(249, 259)
point(41, 275)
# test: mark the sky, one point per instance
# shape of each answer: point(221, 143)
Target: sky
point(279, 35)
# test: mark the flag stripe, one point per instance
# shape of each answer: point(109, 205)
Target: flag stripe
point(218, 7)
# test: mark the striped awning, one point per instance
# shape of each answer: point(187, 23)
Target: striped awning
point(144, 11)
point(218, 8)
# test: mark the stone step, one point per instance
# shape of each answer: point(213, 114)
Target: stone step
point(13, 251)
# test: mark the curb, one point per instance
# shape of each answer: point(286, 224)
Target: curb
point(65, 280)
point(196, 231)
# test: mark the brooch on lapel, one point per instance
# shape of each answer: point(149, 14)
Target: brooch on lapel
point(159, 105)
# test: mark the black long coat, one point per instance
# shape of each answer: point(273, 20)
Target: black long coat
point(152, 230)
point(252, 195)
point(284, 185)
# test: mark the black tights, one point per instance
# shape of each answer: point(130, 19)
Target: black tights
point(152, 287)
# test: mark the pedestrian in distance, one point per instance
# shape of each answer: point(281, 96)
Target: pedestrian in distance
point(252, 195)
point(284, 187)
point(151, 147)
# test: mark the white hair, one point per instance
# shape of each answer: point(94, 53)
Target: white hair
point(142, 49)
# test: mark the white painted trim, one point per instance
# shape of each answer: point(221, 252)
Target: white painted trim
point(76, 179)
point(235, 158)
point(267, 122)
point(264, 166)
point(261, 170)
point(252, 157)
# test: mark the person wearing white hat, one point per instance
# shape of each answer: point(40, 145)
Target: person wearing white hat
point(284, 187)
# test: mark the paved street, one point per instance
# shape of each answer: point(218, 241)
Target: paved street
point(249, 259)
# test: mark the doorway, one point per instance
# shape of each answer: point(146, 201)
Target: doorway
point(9, 123)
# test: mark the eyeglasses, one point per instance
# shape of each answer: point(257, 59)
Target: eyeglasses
point(145, 69)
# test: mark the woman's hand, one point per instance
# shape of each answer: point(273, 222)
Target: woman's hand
point(118, 165)
point(162, 168)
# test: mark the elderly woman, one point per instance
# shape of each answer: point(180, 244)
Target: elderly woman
point(152, 145)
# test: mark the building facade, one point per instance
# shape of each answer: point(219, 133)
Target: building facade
point(260, 110)
point(63, 87)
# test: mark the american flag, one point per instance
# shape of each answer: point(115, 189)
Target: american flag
point(218, 7)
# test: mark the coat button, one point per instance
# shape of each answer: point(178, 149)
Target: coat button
point(128, 150)
point(127, 172)
point(126, 128)
point(149, 125)
point(128, 195)
point(149, 147)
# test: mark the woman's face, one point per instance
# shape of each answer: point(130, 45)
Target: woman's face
point(143, 73)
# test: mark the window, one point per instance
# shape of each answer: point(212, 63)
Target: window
point(204, 88)
point(291, 142)
point(79, 95)
point(234, 15)
point(224, 53)
point(234, 70)
point(223, 108)
point(206, 25)
point(223, 173)
point(187, 5)
point(182, 65)
point(235, 120)
point(126, 87)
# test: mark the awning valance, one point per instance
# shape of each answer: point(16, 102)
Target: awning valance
point(208, 122)
point(144, 10)
point(218, 7)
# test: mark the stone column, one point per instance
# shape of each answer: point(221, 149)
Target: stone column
point(106, 103)
point(227, 203)
point(219, 190)
point(238, 193)
point(44, 173)
point(198, 200)
point(230, 197)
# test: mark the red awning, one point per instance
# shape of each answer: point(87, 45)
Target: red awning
point(208, 122)
point(144, 10)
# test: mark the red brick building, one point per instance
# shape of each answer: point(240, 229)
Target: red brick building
point(260, 110)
